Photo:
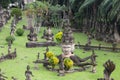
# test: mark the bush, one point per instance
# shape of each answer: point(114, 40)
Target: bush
point(58, 37)
point(68, 63)
point(49, 54)
point(20, 31)
point(10, 39)
point(53, 61)
point(17, 12)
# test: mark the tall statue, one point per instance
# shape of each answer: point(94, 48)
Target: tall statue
point(68, 49)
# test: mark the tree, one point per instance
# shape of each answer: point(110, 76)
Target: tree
point(16, 12)
point(36, 11)
point(99, 17)
point(55, 13)
point(4, 3)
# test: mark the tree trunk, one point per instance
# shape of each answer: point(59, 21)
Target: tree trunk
point(116, 34)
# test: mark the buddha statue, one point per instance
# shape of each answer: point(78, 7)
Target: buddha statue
point(49, 35)
point(32, 36)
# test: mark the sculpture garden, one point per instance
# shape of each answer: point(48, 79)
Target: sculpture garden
point(25, 56)
point(38, 55)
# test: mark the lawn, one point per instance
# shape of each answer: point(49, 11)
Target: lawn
point(26, 56)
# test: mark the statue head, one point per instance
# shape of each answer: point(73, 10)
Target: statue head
point(28, 67)
point(66, 49)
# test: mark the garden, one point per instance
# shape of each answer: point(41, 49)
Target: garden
point(22, 36)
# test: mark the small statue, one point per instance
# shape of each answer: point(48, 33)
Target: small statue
point(93, 59)
point(12, 32)
point(47, 49)
point(9, 47)
point(79, 45)
point(13, 78)
point(2, 57)
point(44, 34)
point(114, 45)
point(49, 35)
point(28, 73)
point(38, 56)
point(61, 71)
point(32, 36)
point(15, 53)
point(99, 46)
point(2, 77)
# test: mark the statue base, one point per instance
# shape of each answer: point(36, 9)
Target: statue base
point(39, 44)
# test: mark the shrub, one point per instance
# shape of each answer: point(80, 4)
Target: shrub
point(17, 12)
point(49, 54)
point(10, 39)
point(68, 63)
point(58, 36)
point(54, 61)
point(20, 31)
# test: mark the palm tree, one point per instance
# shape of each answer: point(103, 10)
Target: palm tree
point(98, 16)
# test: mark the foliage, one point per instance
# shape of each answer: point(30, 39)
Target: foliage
point(36, 10)
point(54, 60)
point(37, 7)
point(29, 13)
point(68, 63)
point(10, 39)
point(58, 36)
point(55, 13)
point(20, 31)
point(49, 54)
point(17, 12)
point(4, 3)
point(12, 1)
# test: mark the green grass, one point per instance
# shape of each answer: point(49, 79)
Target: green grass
point(26, 56)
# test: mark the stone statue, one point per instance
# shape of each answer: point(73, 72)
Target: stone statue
point(13, 78)
point(38, 56)
point(32, 36)
point(99, 46)
point(2, 57)
point(44, 34)
point(79, 45)
point(109, 68)
point(12, 32)
point(47, 49)
point(68, 49)
point(9, 47)
point(49, 35)
point(114, 45)
point(2, 77)
point(28, 73)
point(93, 59)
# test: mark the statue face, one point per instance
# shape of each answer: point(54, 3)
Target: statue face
point(66, 49)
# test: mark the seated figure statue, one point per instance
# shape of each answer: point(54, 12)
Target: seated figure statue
point(32, 36)
point(68, 53)
point(49, 35)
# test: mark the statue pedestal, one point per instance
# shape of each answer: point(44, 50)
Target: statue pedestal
point(39, 44)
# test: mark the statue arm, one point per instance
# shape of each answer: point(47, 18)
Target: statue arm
point(84, 59)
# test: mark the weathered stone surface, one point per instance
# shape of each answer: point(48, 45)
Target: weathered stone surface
point(39, 44)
